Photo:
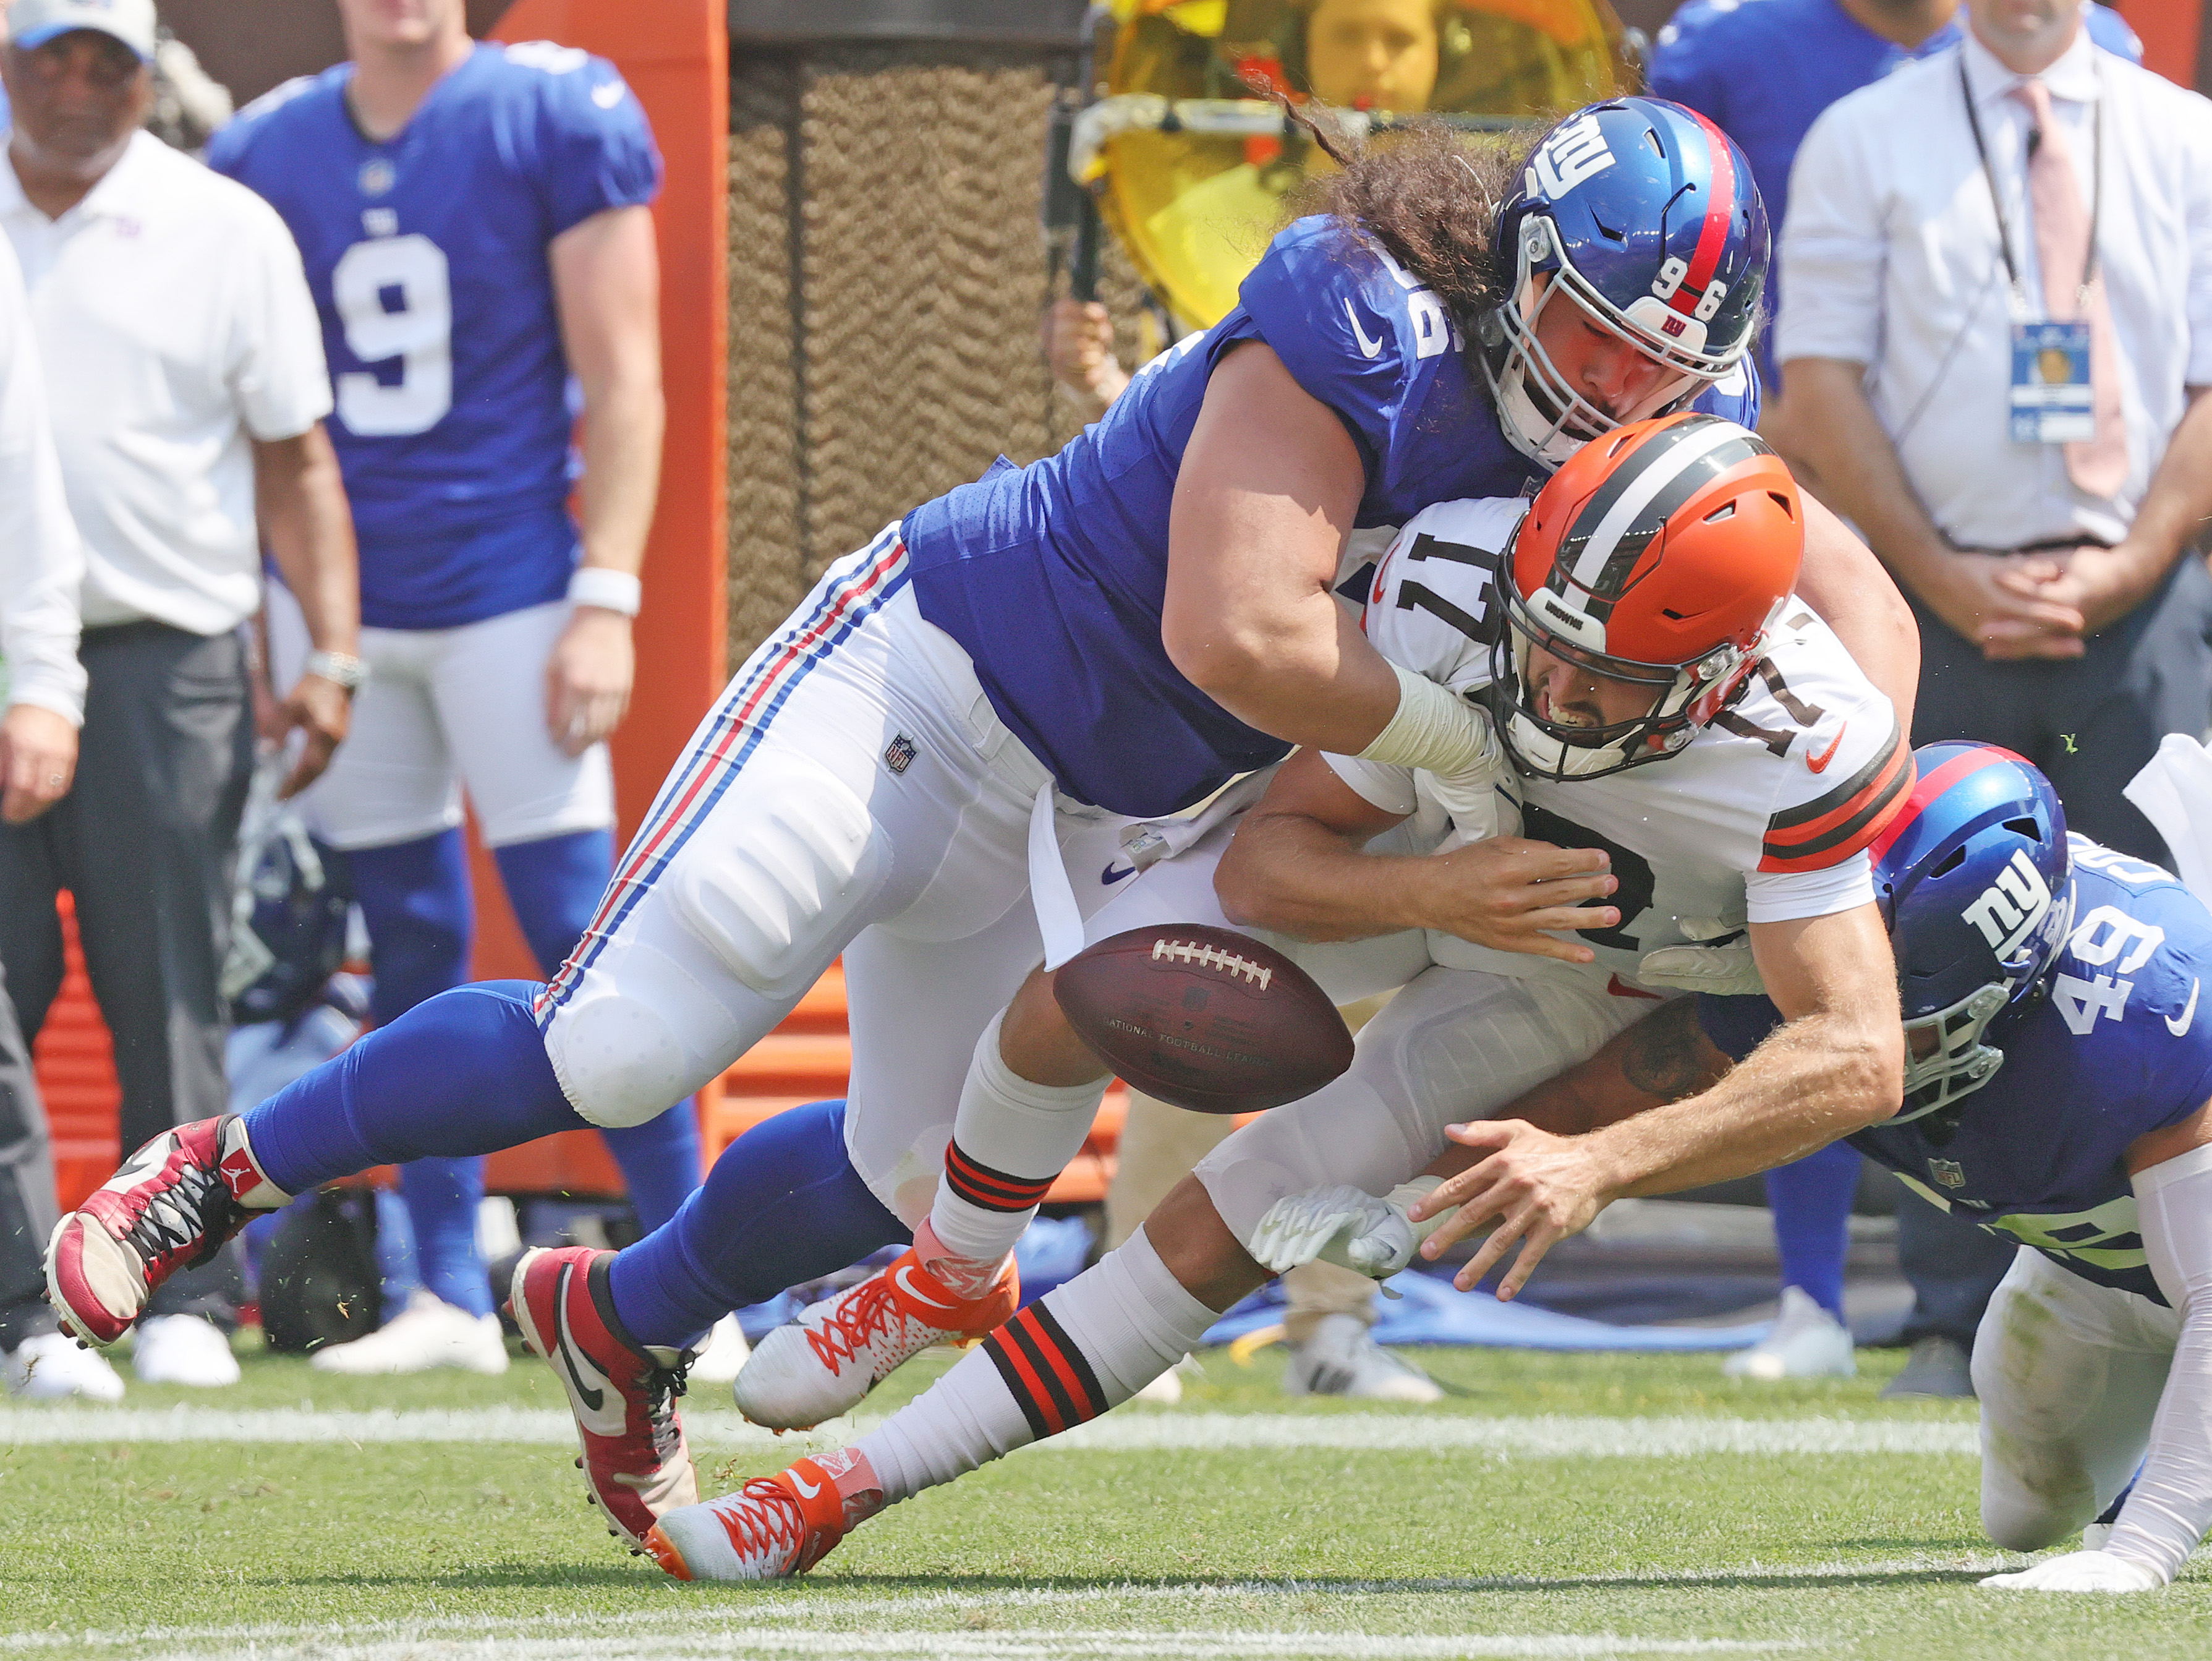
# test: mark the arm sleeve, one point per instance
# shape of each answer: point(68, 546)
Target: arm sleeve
point(278, 377)
point(1387, 786)
point(41, 559)
point(2171, 1505)
point(595, 147)
point(1833, 250)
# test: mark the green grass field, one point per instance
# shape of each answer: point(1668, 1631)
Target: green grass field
point(1348, 1535)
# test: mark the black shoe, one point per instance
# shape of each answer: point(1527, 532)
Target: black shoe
point(1938, 1368)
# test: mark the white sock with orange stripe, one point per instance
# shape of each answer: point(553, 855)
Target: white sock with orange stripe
point(1082, 1349)
point(1010, 1140)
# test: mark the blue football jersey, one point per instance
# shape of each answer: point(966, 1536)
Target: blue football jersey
point(1763, 70)
point(2115, 1046)
point(1052, 576)
point(427, 258)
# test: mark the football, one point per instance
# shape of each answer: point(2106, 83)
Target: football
point(1205, 1018)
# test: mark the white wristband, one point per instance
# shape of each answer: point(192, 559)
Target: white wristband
point(611, 590)
point(1434, 728)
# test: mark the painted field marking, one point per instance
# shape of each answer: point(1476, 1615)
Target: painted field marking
point(1543, 1436)
point(1042, 1645)
point(815, 1603)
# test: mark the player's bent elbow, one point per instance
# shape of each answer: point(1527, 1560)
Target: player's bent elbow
point(1873, 1073)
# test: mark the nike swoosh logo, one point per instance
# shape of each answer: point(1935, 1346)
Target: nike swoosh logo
point(905, 1283)
point(1109, 876)
point(607, 96)
point(593, 1399)
point(1370, 346)
point(1820, 764)
point(2188, 1015)
point(806, 1490)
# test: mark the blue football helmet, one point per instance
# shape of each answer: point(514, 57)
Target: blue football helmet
point(1977, 886)
point(290, 919)
point(1643, 214)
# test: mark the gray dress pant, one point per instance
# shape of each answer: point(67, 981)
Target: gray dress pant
point(28, 1212)
point(145, 841)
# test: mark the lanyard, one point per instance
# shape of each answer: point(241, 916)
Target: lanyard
point(1997, 199)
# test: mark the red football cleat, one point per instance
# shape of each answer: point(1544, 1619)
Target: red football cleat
point(171, 1206)
point(623, 1395)
point(769, 1529)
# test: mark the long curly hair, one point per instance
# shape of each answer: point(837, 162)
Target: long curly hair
point(1429, 197)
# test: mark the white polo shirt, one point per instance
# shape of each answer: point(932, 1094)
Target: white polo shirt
point(41, 562)
point(174, 321)
point(1890, 259)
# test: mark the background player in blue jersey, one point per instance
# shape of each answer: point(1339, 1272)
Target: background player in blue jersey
point(475, 226)
point(2056, 1095)
point(1118, 629)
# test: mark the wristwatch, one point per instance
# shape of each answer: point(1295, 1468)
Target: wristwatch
point(340, 668)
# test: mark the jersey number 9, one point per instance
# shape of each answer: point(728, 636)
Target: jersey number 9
point(419, 333)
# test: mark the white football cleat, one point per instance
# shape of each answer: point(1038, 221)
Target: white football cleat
point(429, 1333)
point(52, 1367)
point(1805, 1342)
point(821, 1365)
point(1164, 1392)
point(183, 1350)
point(723, 1356)
point(2080, 1571)
point(1342, 1358)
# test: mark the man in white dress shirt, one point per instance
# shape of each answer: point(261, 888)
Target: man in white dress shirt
point(1998, 265)
point(41, 564)
point(186, 387)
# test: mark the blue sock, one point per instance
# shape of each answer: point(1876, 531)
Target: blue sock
point(415, 898)
point(554, 885)
point(442, 1196)
point(464, 1074)
point(659, 1160)
point(782, 1206)
point(1811, 1203)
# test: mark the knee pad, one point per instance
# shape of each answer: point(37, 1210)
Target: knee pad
point(781, 869)
point(628, 1046)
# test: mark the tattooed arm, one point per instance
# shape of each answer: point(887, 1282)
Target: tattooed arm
point(1663, 1058)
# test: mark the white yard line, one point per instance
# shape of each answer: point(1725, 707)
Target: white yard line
point(1044, 1645)
point(1550, 1437)
point(689, 1620)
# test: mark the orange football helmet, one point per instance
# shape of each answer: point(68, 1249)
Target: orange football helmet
point(1655, 557)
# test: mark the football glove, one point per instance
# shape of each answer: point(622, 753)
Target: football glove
point(1348, 1227)
point(2081, 1571)
point(1722, 964)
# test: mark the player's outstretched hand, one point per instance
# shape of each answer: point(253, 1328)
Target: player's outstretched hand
point(2080, 1571)
point(587, 680)
point(1534, 1187)
point(38, 759)
point(323, 710)
point(1504, 891)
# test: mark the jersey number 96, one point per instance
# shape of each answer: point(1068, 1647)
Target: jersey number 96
point(419, 333)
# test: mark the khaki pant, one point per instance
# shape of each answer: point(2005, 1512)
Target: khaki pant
point(1160, 1144)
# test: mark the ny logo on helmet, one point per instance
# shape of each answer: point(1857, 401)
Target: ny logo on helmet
point(2010, 909)
point(1576, 152)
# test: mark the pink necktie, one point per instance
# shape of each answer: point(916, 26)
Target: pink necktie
point(2098, 466)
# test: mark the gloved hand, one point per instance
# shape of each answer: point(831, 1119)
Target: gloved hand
point(1724, 968)
point(1345, 1225)
point(2081, 1571)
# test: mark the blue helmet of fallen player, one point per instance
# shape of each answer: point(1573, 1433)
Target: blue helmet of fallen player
point(1974, 880)
point(1643, 215)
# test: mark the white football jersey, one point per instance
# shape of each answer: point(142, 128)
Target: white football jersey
point(1764, 817)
